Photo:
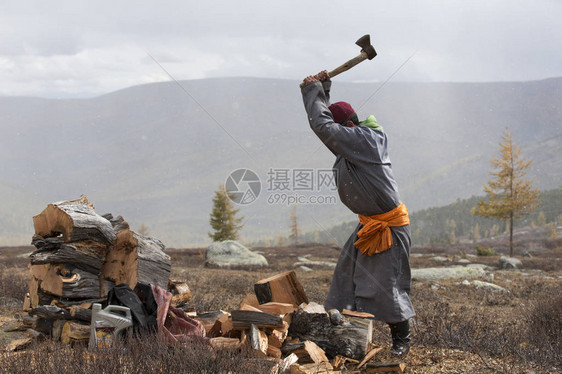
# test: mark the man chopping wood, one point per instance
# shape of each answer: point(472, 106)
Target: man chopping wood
point(373, 270)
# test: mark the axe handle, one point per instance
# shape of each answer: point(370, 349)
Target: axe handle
point(348, 65)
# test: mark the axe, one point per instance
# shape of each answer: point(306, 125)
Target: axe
point(367, 52)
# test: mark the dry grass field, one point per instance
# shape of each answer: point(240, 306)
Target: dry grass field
point(458, 328)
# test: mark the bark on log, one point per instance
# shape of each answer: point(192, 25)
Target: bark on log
point(243, 319)
point(351, 339)
point(50, 312)
point(59, 280)
point(281, 288)
point(86, 255)
point(76, 220)
point(136, 258)
point(80, 314)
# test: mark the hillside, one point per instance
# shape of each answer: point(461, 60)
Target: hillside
point(155, 155)
point(454, 223)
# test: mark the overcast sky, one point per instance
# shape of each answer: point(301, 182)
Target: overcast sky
point(84, 48)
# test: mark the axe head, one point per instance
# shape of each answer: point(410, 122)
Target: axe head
point(365, 43)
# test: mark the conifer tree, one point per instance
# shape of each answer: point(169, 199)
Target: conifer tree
point(224, 221)
point(509, 194)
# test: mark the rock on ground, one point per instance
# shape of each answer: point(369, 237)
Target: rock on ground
point(509, 263)
point(453, 272)
point(487, 286)
point(231, 253)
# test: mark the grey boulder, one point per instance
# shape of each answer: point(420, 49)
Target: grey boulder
point(509, 263)
point(231, 253)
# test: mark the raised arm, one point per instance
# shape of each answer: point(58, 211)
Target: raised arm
point(353, 143)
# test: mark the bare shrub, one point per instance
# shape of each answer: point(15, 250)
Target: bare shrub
point(136, 355)
point(13, 287)
point(544, 331)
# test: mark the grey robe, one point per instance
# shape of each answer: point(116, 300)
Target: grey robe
point(377, 284)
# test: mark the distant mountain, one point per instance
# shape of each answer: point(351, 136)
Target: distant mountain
point(155, 153)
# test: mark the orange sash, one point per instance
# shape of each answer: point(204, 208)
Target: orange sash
point(375, 235)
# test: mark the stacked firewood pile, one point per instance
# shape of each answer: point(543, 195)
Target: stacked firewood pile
point(79, 257)
point(278, 322)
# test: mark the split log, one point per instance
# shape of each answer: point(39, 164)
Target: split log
point(369, 356)
point(385, 367)
point(209, 319)
point(18, 344)
point(282, 288)
point(258, 341)
point(307, 352)
point(222, 342)
point(56, 331)
point(75, 220)
point(243, 319)
point(50, 312)
point(353, 313)
point(277, 337)
point(276, 308)
point(312, 368)
point(59, 280)
point(350, 339)
point(250, 299)
point(136, 258)
point(80, 314)
point(222, 327)
point(36, 295)
point(273, 351)
point(43, 325)
point(26, 303)
point(119, 224)
point(285, 364)
point(86, 255)
point(181, 294)
point(74, 332)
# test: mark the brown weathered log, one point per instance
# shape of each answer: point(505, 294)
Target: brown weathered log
point(58, 280)
point(86, 255)
point(245, 318)
point(73, 332)
point(56, 331)
point(75, 220)
point(50, 312)
point(136, 258)
point(281, 288)
point(80, 314)
point(350, 339)
point(43, 325)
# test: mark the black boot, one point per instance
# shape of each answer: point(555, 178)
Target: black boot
point(400, 338)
